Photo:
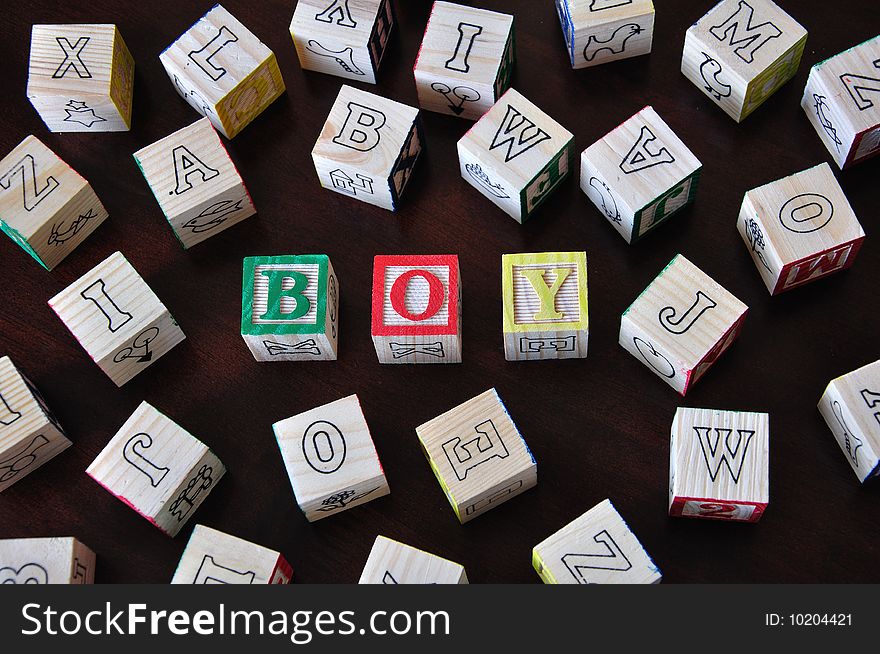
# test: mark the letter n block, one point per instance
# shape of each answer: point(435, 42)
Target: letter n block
point(391, 562)
point(599, 31)
point(417, 308)
point(62, 560)
point(719, 465)
point(478, 455)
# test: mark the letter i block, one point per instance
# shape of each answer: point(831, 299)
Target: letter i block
point(741, 52)
point(158, 469)
point(599, 31)
point(117, 319)
point(799, 229)
point(516, 155)
point(417, 308)
point(290, 308)
point(681, 324)
point(478, 455)
point(391, 562)
point(223, 71)
point(719, 465)
point(46, 561)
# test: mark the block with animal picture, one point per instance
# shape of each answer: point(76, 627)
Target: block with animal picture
point(639, 174)
point(478, 455)
point(223, 71)
point(156, 467)
point(719, 464)
point(601, 31)
point(290, 308)
point(58, 560)
point(391, 562)
point(681, 324)
point(516, 155)
point(799, 229)
point(741, 53)
point(544, 299)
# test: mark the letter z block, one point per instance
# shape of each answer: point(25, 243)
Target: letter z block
point(62, 560)
point(391, 562)
point(599, 31)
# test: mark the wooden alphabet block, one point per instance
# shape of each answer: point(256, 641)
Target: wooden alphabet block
point(290, 308)
point(117, 319)
point(195, 182)
point(596, 548)
point(223, 71)
point(719, 465)
point(516, 155)
point(599, 31)
point(842, 101)
point(213, 557)
point(391, 562)
point(417, 308)
point(851, 407)
point(681, 324)
point(466, 60)
point(346, 38)
point(639, 174)
point(368, 147)
point(545, 305)
point(741, 53)
point(62, 560)
point(478, 455)
point(45, 206)
point(81, 78)
point(799, 229)
point(330, 458)
point(158, 469)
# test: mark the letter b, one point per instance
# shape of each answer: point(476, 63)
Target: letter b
point(361, 128)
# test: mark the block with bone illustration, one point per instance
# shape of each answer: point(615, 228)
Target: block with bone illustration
point(392, 563)
point(600, 31)
point(59, 560)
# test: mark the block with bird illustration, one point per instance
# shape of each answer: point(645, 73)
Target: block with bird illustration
point(600, 31)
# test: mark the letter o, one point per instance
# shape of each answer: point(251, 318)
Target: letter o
point(436, 294)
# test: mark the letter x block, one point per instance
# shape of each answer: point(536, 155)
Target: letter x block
point(719, 465)
point(681, 324)
point(158, 469)
point(213, 557)
point(117, 319)
point(478, 455)
point(223, 71)
point(599, 31)
point(741, 52)
point(62, 560)
point(391, 562)
point(799, 229)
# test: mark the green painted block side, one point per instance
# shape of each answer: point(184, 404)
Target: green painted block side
point(637, 221)
point(505, 68)
point(156, 195)
point(16, 236)
point(555, 179)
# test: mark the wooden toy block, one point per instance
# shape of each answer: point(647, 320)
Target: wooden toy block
point(45, 206)
point(639, 174)
point(158, 469)
point(681, 324)
point(741, 52)
point(596, 548)
point(544, 296)
point(117, 319)
point(599, 31)
point(62, 560)
point(851, 407)
point(466, 60)
point(368, 147)
point(417, 308)
point(223, 71)
point(331, 459)
point(195, 183)
point(799, 229)
point(346, 38)
point(842, 101)
point(516, 155)
point(719, 465)
point(290, 308)
point(29, 433)
point(391, 562)
point(478, 455)
point(81, 78)
point(213, 557)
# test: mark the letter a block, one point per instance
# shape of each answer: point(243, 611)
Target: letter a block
point(719, 465)
point(158, 469)
point(681, 324)
point(516, 155)
point(799, 229)
point(391, 562)
point(478, 455)
point(223, 71)
point(599, 31)
point(290, 308)
point(417, 308)
point(741, 52)
point(46, 561)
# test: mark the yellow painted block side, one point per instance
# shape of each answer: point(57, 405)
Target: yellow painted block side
point(543, 572)
point(443, 485)
point(782, 70)
point(250, 97)
point(122, 78)
point(509, 261)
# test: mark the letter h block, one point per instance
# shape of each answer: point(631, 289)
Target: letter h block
point(62, 560)
point(599, 31)
point(391, 562)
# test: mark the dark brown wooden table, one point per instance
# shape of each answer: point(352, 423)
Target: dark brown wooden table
point(599, 427)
